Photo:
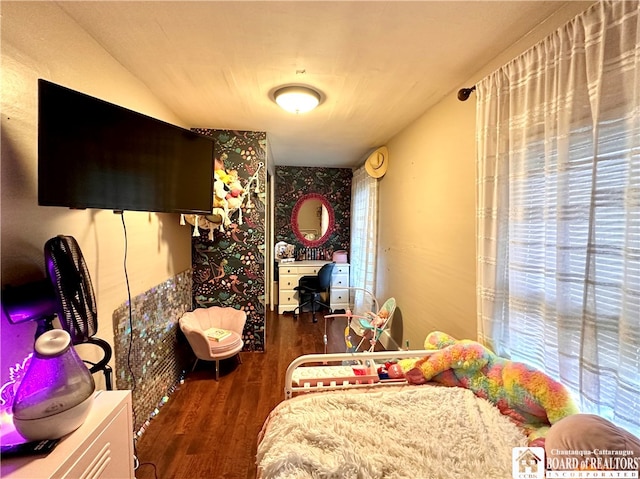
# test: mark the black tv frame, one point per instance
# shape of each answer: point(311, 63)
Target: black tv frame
point(94, 154)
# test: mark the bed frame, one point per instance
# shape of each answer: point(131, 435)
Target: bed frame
point(332, 431)
point(366, 359)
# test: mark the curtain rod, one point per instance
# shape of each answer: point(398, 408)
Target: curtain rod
point(463, 93)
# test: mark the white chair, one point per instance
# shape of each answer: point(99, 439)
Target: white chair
point(194, 324)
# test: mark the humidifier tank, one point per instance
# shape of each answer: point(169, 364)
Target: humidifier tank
point(56, 392)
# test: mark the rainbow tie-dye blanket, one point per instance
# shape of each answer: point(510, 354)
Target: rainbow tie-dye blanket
point(528, 396)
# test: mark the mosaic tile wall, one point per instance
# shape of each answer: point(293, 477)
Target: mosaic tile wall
point(158, 353)
point(229, 269)
point(333, 183)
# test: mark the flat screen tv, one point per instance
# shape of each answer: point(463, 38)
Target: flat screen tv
point(94, 154)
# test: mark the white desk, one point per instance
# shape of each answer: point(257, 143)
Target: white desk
point(289, 275)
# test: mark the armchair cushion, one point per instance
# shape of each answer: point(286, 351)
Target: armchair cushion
point(221, 348)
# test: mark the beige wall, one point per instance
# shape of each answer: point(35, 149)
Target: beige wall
point(427, 227)
point(426, 242)
point(158, 247)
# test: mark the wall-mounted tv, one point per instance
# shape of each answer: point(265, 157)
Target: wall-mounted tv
point(94, 154)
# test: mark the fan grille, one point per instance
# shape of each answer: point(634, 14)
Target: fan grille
point(69, 275)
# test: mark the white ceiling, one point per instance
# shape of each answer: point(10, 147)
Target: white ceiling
point(379, 64)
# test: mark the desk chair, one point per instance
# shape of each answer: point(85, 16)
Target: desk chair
point(312, 287)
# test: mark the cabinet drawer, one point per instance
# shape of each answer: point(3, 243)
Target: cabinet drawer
point(340, 281)
point(339, 296)
point(341, 269)
point(104, 457)
point(101, 448)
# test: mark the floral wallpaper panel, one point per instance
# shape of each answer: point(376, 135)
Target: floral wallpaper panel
point(332, 183)
point(228, 263)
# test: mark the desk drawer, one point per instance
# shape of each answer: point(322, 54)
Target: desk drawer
point(288, 298)
point(288, 281)
point(299, 270)
point(340, 281)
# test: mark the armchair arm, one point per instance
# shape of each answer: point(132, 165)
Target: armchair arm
point(196, 337)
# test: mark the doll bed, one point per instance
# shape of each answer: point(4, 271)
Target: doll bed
point(353, 428)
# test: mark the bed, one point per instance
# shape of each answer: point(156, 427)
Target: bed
point(341, 425)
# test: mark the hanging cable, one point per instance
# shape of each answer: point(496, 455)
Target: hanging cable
point(126, 277)
point(136, 460)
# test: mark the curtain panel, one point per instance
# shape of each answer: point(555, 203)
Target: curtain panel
point(364, 232)
point(558, 209)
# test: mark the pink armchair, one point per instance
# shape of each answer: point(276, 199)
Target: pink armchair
point(194, 324)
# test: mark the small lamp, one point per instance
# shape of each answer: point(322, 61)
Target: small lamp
point(297, 99)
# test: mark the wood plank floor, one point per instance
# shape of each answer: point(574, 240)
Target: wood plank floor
point(208, 429)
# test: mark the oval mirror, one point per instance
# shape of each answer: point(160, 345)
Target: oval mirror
point(312, 220)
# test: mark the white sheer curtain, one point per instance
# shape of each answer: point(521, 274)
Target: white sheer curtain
point(559, 209)
point(364, 231)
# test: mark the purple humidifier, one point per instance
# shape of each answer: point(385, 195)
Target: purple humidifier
point(56, 392)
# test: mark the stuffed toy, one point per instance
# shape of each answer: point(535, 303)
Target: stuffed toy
point(219, 194)
point(228, 191)
point(222, 175)
point(529, 397)
point(233, 184)
point(220, 203)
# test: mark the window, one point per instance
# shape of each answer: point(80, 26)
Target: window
point(559, 209)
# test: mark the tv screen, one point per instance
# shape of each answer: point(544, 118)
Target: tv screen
point(94, 154)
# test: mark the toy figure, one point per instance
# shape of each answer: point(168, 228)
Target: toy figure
point(379, 320)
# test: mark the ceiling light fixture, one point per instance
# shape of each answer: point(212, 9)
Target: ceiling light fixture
point(297, 99)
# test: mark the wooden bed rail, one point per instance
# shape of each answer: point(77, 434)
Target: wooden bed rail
point(290, 388)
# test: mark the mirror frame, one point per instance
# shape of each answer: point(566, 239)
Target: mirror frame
point(296, 227)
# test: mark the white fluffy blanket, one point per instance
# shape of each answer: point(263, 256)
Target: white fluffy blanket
point(414, 433)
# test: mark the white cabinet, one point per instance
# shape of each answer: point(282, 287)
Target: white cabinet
point(101, 448)
point(290, 273)
point(340, 287)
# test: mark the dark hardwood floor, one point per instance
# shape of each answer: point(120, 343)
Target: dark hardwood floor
point(209, 428)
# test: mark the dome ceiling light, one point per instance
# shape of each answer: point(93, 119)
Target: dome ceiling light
point(297, 99)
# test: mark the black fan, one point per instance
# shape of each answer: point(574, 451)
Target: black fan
point(71, 282)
